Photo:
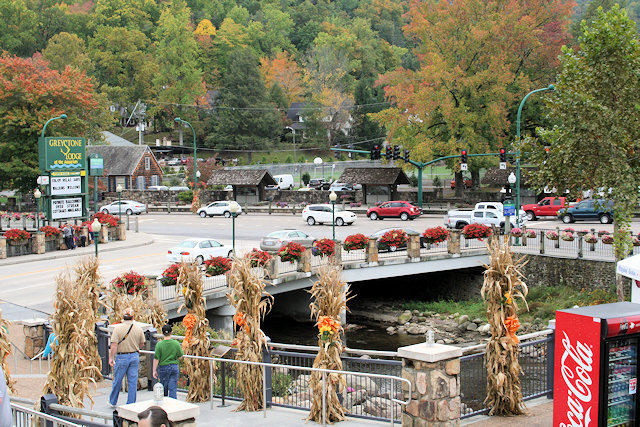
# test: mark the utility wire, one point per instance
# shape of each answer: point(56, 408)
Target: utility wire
point(209, 107)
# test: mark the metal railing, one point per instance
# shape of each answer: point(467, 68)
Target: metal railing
point(20, 373)
point(536, 361)
point(286, 267)
point(354, 255)
point(27, 417)
point(432, 248)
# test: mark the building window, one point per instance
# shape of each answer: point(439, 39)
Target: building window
point(147, 163)
point(154, 180)
point(140, 183)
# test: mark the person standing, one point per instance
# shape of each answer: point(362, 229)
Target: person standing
point(126, 340)
point(67, 232)
point(165, 362)
point(5, 403)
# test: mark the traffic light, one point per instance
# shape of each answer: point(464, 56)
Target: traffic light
point(406, 155)
point(396, 152)
point(546, 150)
point(336, 154)
point(351, 155)
point(503, 155)
point(463, 156)
point(374, 152)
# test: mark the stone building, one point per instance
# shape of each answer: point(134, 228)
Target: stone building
point(248, 184)
point(134, 167)
point(379, 184)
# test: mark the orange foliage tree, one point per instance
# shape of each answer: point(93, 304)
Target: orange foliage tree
point(283, 70)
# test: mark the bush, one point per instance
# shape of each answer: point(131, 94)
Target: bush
point(186, 196)
point(289, 159)
point(413, 181)
point(437, 182)
point(306, 178)
point(282, 383)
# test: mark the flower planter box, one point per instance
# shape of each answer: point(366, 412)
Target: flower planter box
point(113, 234)
point(51, 244)
point(18, 247)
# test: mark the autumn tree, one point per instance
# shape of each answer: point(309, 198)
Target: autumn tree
point(595, 142)
point(476, 61)
point(67, 49)
point(284, 71)
point(30, 94)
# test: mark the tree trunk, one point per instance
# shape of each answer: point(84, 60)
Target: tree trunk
point(475, 179)
point(619, 255)
point(459, 184)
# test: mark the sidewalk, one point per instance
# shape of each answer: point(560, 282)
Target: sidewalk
point(539, 413)
point(133, 240)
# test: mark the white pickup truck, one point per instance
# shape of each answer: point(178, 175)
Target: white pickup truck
point(487, 213)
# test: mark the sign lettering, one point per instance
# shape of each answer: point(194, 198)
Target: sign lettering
point(66, 185)
point(576, 367)
point(66, 208)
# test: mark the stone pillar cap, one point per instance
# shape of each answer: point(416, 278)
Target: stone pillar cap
point(177, 410)
point(429, 353)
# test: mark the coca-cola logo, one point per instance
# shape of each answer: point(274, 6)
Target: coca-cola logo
point(576, 367)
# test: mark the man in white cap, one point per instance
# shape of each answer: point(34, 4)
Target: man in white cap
point(126, 340)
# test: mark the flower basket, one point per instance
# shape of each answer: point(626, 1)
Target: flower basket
point(393, 239)
point(130, 283)
point(435, 235)
point(530, 234)
point(170, 275)
point(16, 236)
point(516, 232)
point(355, 204)
point(323, 247)
point(50, 232)
point(569, 230)
point(291, 252)
point(259, 258)
point(355, 242)
point(636, 241)
point(590, 238)
point(108, 219)
point(476, 231)
point(607, 239)
point(217, 265)
point(602, 233)
point(552, 235)
point(567, 236)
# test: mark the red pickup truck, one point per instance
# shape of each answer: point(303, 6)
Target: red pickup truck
point(549, 206)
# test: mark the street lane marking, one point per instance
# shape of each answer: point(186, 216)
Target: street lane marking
point(45, 270)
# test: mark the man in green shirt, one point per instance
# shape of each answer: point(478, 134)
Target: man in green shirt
point(165, 362)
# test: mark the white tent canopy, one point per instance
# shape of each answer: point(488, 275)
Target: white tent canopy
point(630, 267)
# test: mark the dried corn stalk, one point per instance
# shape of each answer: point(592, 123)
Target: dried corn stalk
point(196, 341)
point(5, 350)
point(88, 282)
point(147, 311)
point(502, 285)
point(330, 295)
point(71, 369)
point(251, 302)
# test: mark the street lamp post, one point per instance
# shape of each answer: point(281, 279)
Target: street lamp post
point(195, 152)
point(233, 208)
point(332, 197)
point(37, 194)
point(293, 131)
point(44, 128)
point(119, 190)
point(507, 226)
point(95, 229)
point(550, 87)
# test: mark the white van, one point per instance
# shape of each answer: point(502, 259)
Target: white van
point(284, 182)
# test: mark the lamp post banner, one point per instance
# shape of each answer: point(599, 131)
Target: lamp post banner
point(62, 153)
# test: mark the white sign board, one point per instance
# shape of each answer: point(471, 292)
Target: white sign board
point(463, 166)
point(503, 165)
point(43, 180)
point(66, 208)
point(66, 185)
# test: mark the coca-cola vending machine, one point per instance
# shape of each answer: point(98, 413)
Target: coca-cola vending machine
point(596, 362)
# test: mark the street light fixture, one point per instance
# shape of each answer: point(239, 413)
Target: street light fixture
point(61, 116)
point(234, 207)
point(195, 152)
point(332, 197)
point(95, 229)
point(119, 190)
point(37, 194)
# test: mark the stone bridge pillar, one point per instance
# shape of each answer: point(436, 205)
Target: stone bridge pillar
point(221, 318)
point(453, 243)
point(37, 243)
point(103, 235)
point(434, 374)
point(122, 233)
point(413, 246)
point(372, 250)
point(3, 247)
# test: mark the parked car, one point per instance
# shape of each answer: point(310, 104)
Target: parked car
point(467, 183)
point(487, 213)
point(378, 234)
point(322, 214)
point(272, 242)
point(285, 182)
point(217, 208)
point(157, 188)
point(228, 187)
point(549, 206)
point(395, 208)
point(316, 183)
point(174, 162)
point(199, 250)
point(339, 186)
point(179, 188)
point(128, 207)
point(591, 209)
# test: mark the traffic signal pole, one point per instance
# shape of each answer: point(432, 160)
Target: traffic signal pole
point(422, 165)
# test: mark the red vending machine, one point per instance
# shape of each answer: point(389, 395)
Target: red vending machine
point(596, 362)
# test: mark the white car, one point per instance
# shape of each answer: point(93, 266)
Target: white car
point(320, 214)
point(128, 207)
point(198, 250)
point(218, 208)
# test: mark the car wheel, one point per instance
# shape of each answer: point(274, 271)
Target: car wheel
point(373, 216)
point(339, 222)
point(605, 219)
point(404, 216)
point(203, 214)
point(567, 218)
point(199, 260)
point(461, 225)
point(105, 211)
point(311, 221)
point(129, 212)
point(531, 216)
point(227, 214)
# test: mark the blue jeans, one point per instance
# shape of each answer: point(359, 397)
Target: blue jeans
point(126, 364)
point(168, 376)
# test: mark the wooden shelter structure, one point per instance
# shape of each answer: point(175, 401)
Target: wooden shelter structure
point(248, 184)
point(379, 184)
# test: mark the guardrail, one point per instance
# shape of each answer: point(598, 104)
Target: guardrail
point(27, 417)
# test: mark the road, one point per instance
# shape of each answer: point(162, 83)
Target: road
point(32, 285)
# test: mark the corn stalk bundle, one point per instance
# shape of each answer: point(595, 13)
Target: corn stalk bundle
point(502, 286)
point(251, 302)
point(71, 370)
point(330, 295)
point(5, 350)
point(196, 342)
point(146, 311)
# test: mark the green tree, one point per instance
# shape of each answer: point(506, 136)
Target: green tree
point(67, 49)
point(138, 15)
point(19, 25)
point(243, 118)
point(30, 94)
point(595, 142)
point(590, 13)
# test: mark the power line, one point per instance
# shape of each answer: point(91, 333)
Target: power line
point(208, 107)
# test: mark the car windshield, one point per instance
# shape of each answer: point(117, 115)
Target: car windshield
point(278, 234)
point(339, 209)
point(188, 244)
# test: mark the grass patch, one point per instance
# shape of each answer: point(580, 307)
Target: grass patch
point(543, 302)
